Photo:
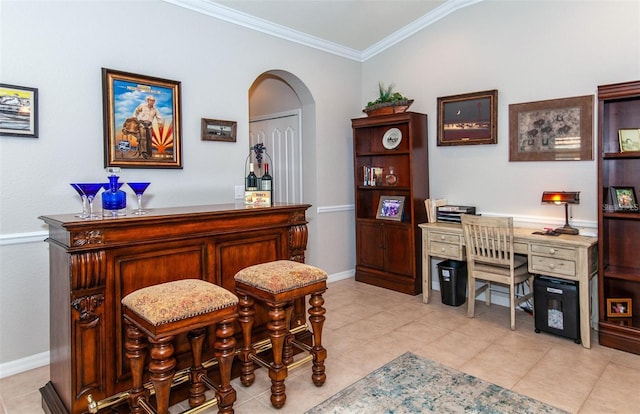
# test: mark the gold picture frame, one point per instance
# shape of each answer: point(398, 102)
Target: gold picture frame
point(629, 139)
point(619, 308)
point(142, 121)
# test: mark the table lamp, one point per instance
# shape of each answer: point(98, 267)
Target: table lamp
point(566, 198)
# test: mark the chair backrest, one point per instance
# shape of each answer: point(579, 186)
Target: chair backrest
point(489, 239)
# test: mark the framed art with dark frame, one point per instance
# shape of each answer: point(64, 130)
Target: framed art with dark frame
point(624, 199)
point(468, 119)
point(142, 121)
point(18, 111)
point(390, 208)
point(552, 130)
point(619, 308)
point(217, 130)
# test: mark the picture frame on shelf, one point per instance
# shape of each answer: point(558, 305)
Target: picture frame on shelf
point(624, 199)
point(552, 130)
point(218, 130)
point(619, 308)
point(142, 121)
point(629, 139)
point(390, 208)
point(19, 108)
point(468, 119)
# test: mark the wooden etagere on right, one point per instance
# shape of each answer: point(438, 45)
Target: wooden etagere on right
point(618, 232)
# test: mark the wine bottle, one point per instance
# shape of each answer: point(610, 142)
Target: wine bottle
point(267, 183)
point(252, 181)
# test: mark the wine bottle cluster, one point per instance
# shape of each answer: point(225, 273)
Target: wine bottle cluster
point(259, 190)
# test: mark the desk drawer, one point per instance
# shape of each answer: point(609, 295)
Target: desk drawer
point(552, 251)
point(450, 251)
point(552, 266)
point(444, 237)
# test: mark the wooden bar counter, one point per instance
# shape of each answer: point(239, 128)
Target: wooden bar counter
point(95, 263)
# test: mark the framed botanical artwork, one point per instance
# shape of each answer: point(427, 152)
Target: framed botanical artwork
point(624, 199)
point(629, 139)
point(217, 130)
point(18, 111)
point(468, 119)
point(390, 208)
point(142, 121)
point(619, 308)
point(552, 130)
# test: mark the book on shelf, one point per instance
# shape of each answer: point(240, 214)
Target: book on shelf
point(372, 176)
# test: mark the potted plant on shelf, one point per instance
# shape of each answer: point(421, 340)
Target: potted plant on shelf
point(388, 102)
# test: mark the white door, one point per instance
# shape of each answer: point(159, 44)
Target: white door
point(280, 134)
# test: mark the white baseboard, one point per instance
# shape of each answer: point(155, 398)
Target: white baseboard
point(24, 364)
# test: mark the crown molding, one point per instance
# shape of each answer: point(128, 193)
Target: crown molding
point(227, 14)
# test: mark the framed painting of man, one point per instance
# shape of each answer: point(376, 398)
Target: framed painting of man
point(142, 121)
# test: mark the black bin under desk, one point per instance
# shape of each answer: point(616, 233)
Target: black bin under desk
point(556, 307)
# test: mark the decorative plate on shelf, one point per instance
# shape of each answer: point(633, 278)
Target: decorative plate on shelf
point(392, 138)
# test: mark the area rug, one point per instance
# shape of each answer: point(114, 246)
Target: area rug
point(411, 384)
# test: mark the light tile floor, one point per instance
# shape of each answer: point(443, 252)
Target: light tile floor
point(368, 326)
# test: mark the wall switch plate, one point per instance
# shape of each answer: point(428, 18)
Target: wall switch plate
point(239, 192)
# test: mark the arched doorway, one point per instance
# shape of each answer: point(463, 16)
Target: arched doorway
point(282, 115)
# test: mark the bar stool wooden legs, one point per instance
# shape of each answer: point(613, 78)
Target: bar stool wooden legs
point(158, 313)
point(277, 284)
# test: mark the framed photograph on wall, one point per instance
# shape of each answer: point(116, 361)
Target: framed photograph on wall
point(217, 130)
point(468, 119)
point(629, 139)
point(18, 111)
point(624, 199)
point(142, 121)
point(390, 208)
point(552, 130)
point(619, 308)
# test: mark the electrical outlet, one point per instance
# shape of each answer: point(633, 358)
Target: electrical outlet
point(239, 192)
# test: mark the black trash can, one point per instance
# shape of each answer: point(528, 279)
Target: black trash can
point(453, 282)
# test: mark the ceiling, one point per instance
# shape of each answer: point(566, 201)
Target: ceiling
point(357, 29)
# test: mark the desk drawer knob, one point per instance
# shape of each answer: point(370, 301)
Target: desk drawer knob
point(442, 249)
point(551, 265)
point(442, 237)
point(552, 251)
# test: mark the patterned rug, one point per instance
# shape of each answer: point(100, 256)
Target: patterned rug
point(411, 384)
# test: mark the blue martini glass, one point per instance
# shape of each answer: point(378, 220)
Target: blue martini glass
point(139, 189)
point(81, 193)
point(90, 190)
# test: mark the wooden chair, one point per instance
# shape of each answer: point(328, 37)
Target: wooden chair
point(277, 284)
point(159, 313)
point(491, 258)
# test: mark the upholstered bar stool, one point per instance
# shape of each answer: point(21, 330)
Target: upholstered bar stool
point(277, 284)
point(161, 312)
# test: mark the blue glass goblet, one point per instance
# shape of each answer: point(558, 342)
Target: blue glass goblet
point(91, 190)
point(85, 213)
point(139, 189)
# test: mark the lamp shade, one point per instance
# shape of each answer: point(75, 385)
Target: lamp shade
point(559, 197)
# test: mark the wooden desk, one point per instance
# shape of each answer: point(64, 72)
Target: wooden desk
point(565, 257)
point(95, 263)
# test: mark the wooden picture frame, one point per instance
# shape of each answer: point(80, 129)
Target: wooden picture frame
point(624, 199)
point(468, 119)
point(619, 308)
point(629, 139)
point(18, 111)
point(142, 121)
point(552, 130)
point(390, 208)
point(218, 130)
